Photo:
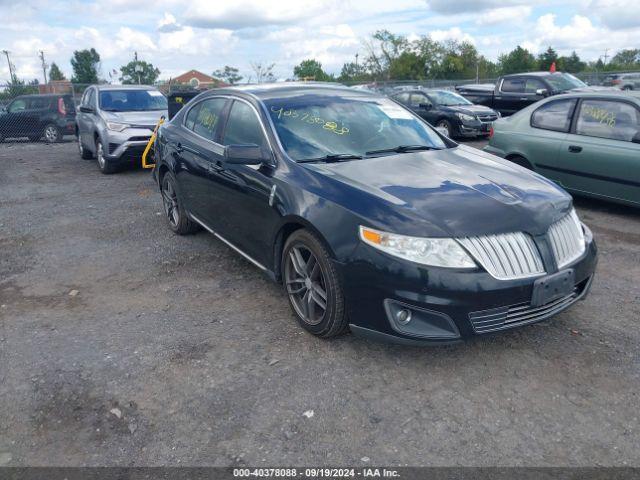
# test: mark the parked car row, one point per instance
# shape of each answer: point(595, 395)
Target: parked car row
point(370, 218)
point(623, 81)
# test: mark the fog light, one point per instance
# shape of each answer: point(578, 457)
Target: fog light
point(403, 316)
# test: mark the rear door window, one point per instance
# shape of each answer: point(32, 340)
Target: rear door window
point(418, 99)
point(608, 119)
point(207, 118)
point(39, 103)
point(532, 85)
point(513, 85)
point(403, 98)
point(554, 115)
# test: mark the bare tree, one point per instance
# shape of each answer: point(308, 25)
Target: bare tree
point(264, 73)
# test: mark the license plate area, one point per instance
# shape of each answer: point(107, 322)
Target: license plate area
point(552, 287)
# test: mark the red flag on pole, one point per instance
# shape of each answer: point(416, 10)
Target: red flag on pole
point(553, 68)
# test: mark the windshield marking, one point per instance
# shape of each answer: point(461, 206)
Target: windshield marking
point(310, 118)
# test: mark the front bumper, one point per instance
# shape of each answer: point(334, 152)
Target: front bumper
point(126, 146)
point(447, 305)
point(474, 129)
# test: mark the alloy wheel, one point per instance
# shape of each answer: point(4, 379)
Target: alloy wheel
point(51, 134)
point(100, 155)
point(306, 285)
point(170, 202)
point(445, 126)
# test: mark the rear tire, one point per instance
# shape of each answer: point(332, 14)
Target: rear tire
point(107, 167)
point(627, 87)
point(313, 286)
point(52, 134)
point(520, 160)
point(179, 221)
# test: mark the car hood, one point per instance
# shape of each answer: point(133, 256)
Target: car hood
point(455, 192)
point(146, 118)
point(470, 109)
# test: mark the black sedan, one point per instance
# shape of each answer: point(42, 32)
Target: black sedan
point(453, 114)
point(371, 219)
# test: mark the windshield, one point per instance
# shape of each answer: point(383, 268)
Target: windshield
point(132, 100)
point(564, 81)
point(314, 126)
point(447, 99)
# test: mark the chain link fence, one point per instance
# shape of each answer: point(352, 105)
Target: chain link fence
point(48, 112)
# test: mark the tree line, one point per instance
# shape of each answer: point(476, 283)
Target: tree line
point(389, 56)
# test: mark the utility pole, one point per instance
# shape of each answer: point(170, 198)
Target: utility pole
point(137, 68)
point(11, 74)
point(44, 66)
point(606, 55)
point(357, 71)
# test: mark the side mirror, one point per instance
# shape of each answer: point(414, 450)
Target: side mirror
point(636, 138)
point(542, 92)
point(426, 106)
point(244, 155)
point(84, 109)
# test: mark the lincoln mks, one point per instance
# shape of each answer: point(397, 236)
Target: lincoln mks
point(370, 219)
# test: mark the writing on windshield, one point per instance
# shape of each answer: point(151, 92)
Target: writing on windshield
point(309, 118)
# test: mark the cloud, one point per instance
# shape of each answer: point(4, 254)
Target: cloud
point(460, 6)
point(168, 24)
point(616, 14)
point(454, 33)
point(252, 13)
point(504, 15)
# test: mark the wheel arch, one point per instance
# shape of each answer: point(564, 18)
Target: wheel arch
point(288, 226)
point(520, 159)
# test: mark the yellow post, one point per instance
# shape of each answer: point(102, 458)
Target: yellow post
point(150, 144)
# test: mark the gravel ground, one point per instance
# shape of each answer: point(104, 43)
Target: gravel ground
point(123, 344)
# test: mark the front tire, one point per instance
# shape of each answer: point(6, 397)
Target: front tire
point(107, 167)
point(84, 153)
point(445, 125)
point(313, 285)
point(519, 160)
point(52, 134)
point(177, 217)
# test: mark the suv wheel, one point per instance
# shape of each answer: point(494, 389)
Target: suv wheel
point(52, 133)
point(179, 222)
point(104, 165)
point(84, 153)
point(313, 286)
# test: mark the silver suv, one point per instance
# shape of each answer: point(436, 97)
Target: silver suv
point(114, 123)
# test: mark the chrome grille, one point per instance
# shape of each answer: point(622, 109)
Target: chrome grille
point(505, 317)
point(567, 239)
point(487, 118)
point(507, 256)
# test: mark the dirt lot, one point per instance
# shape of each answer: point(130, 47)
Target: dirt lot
point(123, 344)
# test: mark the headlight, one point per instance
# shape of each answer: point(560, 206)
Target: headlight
point(466, 118)
point(436, 252)
point(118, 127)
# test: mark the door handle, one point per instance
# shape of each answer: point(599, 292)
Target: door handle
point(524, 98)
point(575, 149)
point(215, 167)
point(179, 148)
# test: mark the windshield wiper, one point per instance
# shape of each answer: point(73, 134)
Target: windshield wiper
point(403, 149)
point(332, 157)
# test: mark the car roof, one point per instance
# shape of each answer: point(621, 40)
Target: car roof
point(606, 94)
point(535, 74)
point(266, 91)
point(44, 95)
point(124, 87)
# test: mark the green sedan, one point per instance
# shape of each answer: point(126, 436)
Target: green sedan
point(589, 143)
